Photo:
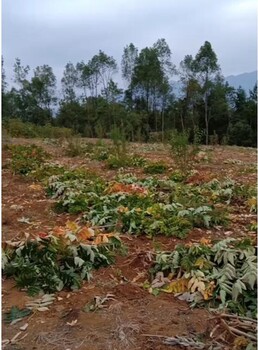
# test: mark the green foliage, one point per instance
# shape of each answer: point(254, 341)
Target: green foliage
point(119, 141)
point(18, 128)
point(177, 176)
point(56, 262)
point(75, 147)
point(93, 105)
point(15, 313)
point(155, 168)
point(116, 162)
point(226, 270)
point(145, 206)
point(75, 190)
point(182, 152)
point(45, 171)
point(25, 159)
point(137, 161)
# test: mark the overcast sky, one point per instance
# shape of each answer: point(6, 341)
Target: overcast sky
point(55, 32)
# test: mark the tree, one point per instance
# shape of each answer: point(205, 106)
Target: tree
point(43, 85)
point(101, 68)
point(4, 83)
point(35, 98)
point(190, 88)
point(164, 57)
point(69, 82)
point(206, 66)
point(147, 77)
point(219, 111)
point(128, 62)
point(243, 122)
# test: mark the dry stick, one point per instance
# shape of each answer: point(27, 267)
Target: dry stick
point(214, 330)
point(237, 331)
point(154, 335)
point(226, 326)
point(239, 317)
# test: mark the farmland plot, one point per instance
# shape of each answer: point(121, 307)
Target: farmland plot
point(104, 248)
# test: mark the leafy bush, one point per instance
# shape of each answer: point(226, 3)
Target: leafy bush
point(17, 128)
point(75, 148)
point(137, 161)
point(223, 273)
point(177, 176)
point(182, 152)
point(25, 159)
point(241, 134)
point(62, 259)
point(45, 171)
point(119, 141)
point(75, 191)
point(115, 162)
point(155, 168)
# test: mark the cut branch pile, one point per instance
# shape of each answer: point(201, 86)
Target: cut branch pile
point(240, 329)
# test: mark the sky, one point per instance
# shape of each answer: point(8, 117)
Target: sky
point(55, 32)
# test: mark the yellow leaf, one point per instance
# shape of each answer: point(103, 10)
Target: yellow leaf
point(178, 286)
point(86, 233)
point(101, 238)
point(72, 226)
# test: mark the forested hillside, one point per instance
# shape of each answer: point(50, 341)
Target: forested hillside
point(93, 104)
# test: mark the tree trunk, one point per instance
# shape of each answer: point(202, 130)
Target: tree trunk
point(206, 119)
point(182, 121)
point(162, 126)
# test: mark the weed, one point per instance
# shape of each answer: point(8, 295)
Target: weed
point(75, 148)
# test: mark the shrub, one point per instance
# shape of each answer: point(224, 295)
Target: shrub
point(25, 159)
point(182, 152)
point(177, 176)
point(223, 273)
point(155, 168)
point(75, 148)
point(18, 128)
point(114, 162)
point(62, 259)
point(119, 142)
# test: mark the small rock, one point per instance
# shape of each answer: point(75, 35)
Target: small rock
point(24, 327)
point(16, 207)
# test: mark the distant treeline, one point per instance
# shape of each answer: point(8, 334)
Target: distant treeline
point(92, 104)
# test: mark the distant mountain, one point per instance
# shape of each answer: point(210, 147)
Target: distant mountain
point(245, 80)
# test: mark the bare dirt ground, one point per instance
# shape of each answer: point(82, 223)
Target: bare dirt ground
point(133, 312)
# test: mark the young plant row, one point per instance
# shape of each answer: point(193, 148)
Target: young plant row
point(59, 259)
point(222, 274)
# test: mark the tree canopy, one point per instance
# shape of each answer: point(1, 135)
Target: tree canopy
point(92, 103)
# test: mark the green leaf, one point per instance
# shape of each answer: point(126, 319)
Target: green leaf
point(207, 220)
point(222, 294)
point(78, 261)
point(236, 290)
point(16, 313)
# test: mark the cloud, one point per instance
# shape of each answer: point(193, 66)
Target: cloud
point(57, 31)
